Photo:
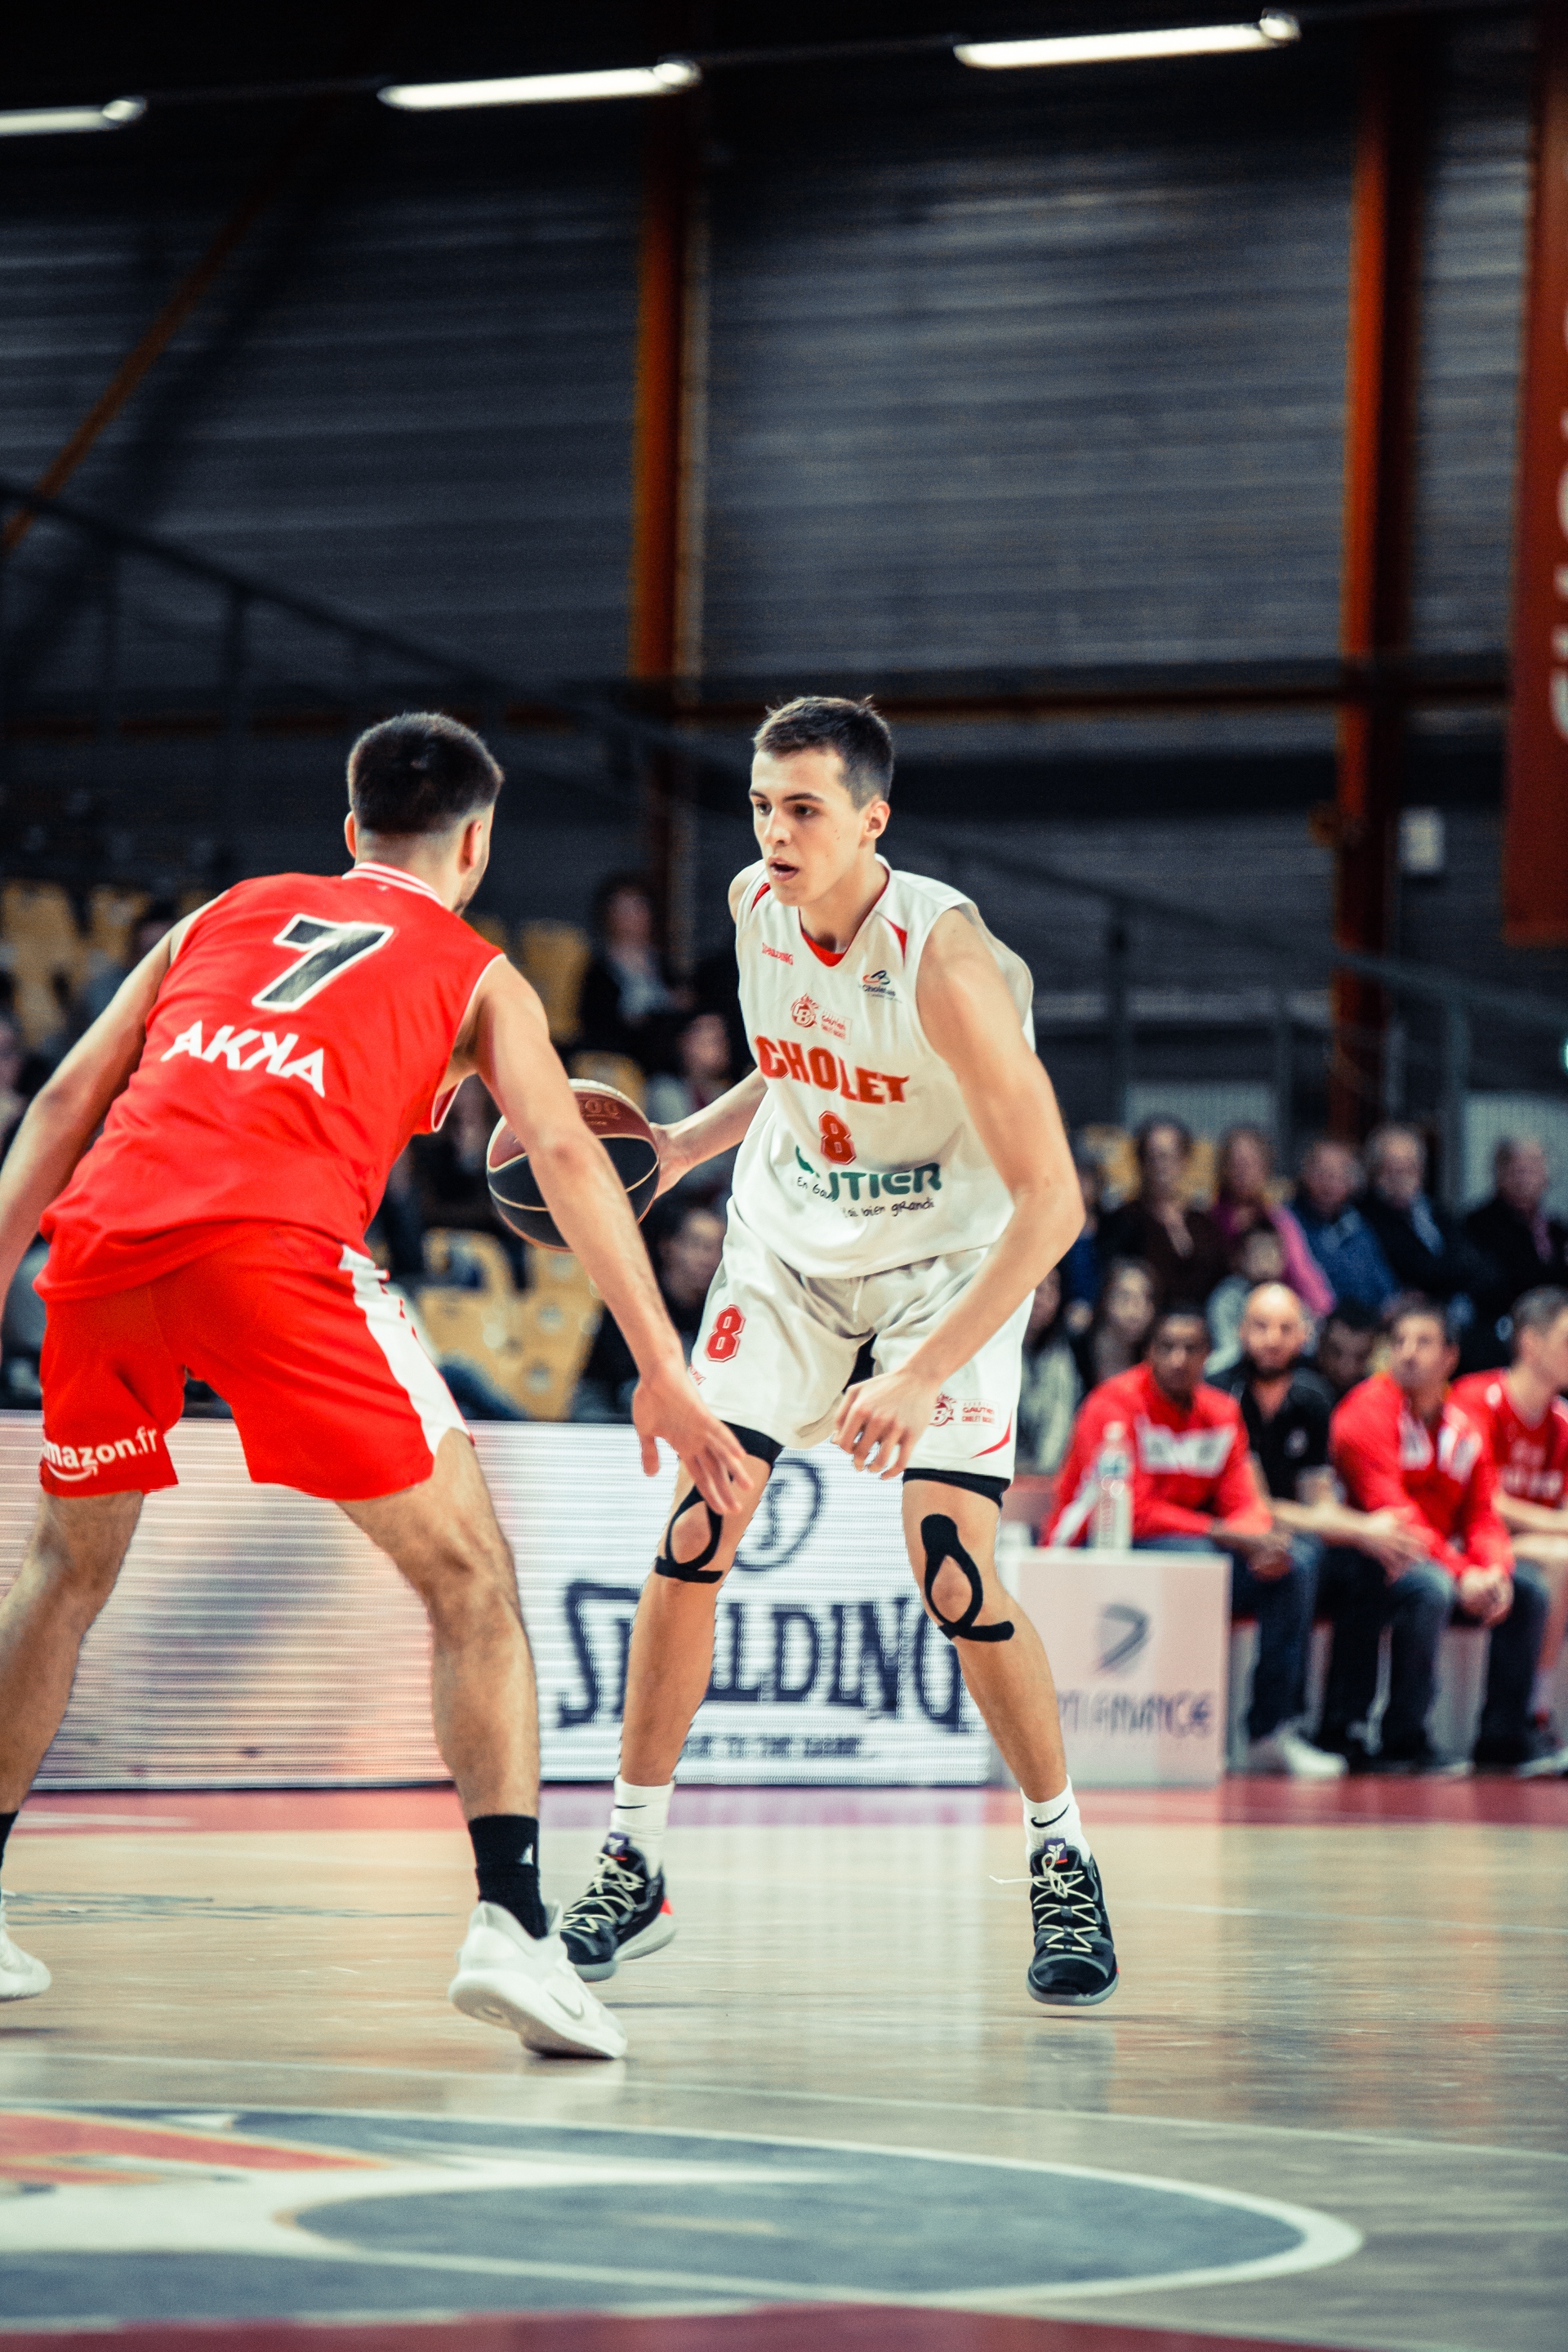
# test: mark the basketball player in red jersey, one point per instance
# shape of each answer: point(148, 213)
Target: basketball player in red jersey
point(256, 1078)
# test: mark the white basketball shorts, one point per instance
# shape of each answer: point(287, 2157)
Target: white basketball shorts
point(777, 1349)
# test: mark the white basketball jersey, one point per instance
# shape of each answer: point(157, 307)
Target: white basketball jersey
point(862, 1156)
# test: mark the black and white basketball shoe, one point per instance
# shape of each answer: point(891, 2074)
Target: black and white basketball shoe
point(623, 1913)
point(1075, 1960)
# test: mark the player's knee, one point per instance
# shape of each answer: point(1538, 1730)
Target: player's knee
point(468, 1585)
point(950, 1591)
point(79, 1552)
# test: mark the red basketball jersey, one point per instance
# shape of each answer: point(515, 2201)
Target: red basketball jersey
point(300, 1039)
point(1530, 1463)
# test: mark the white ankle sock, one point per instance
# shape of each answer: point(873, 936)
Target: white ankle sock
point(1053, 1817)
point(643, 1816)
point(1545, 1685)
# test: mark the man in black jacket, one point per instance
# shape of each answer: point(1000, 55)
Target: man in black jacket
point(1522, 1248)
point(1424, 1245)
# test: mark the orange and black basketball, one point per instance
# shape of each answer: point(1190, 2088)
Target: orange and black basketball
point(620, 1126)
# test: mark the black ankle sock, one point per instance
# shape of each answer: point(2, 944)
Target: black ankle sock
point(506, 1857)
point(8, 1822)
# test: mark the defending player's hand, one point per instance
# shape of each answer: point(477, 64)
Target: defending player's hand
point(879, 1423)
point(665, 1404)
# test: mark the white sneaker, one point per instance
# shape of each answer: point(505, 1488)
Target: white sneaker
point(21, 1975)
point(1285, 1751)
point(527, 1986)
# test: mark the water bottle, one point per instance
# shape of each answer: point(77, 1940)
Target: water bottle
point(1113, 1502)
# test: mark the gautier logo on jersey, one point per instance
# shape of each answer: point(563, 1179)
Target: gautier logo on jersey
point(248, 1049)
point(782, 1058)
point(902, 1185)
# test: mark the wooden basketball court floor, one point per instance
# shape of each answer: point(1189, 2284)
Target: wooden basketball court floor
point(1327, 2105)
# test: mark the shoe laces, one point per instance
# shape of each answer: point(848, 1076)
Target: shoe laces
point(1066, 1909)
point(614, 1893)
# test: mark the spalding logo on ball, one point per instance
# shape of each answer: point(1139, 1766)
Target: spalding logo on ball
point(625, 1134)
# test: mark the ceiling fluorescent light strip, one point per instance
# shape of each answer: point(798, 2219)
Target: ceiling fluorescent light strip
point(671, 74)
point(39, 121)
point(1269, 32)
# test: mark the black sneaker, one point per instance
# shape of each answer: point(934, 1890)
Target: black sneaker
point(1421, 1760)
point(1075, 1960)
point(621, 1914)
point(1538, 1754)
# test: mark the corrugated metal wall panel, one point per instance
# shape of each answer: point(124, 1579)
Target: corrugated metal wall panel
point(1472, 318)
point(411, 391)
point(1045, 371)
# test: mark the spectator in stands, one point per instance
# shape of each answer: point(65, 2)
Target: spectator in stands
point(1119, 1333)
point(13, 1078)
point(1258, 1256)
point(1525, 1421)
point(1082, 1269)
point(1521, 1247)
point(1242, 1201)
point(1401, 1442)
point(1194, 1489)
point(96, 991)
point(1183, 1246)
point(703, 1061)
point(1334, 1230)
point(396, 1235)
point(1423, 1245)
point(686, 1249)
point(630, 1003)
point(1345, 1343)
point(1051, 1387)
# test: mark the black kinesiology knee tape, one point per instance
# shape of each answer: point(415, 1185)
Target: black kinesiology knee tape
point(697, 1571)
point(939, 1536)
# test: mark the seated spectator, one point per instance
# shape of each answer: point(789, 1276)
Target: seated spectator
point(1401, 1442)
point(1345, 1344)
point(1051, 1388)
point(1285, 1408)
point(1334, 1230)
point(1520, 1247)
point(96, 991)
point(630, 1003)
point(703, 1061)
point(1425, 1247)
point(14, 1092)
point(396, 1235)
point(1184, 1246)
point(686, 1248)
point(1082, 1269)
point(1258, 1256)
point(1525, 1421)
point(1242, 1203)
point(1116, 1337)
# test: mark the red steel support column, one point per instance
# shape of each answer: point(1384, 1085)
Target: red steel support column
point(659, 479)
point(1380, 437)
point(1535, 839)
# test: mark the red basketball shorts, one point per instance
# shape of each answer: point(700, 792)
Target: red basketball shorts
point(329, 1385)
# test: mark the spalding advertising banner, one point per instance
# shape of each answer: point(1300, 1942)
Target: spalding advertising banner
point(257, 1639)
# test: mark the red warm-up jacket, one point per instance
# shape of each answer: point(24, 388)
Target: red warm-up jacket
point(1189, 1467)
point(1441, 1477)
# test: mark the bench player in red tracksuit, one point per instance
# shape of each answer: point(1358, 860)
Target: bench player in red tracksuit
point(256, 1078)
point(1403, 1442)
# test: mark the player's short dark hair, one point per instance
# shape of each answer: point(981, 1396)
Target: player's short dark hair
point(1538, 1310)
point(421, 773)
point(1415, 1305)
point(1180, 1310)
point(830, 722)
point(1352, 1314)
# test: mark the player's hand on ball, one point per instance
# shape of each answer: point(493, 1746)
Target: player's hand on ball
point(879, 1423)
point(665, 1404)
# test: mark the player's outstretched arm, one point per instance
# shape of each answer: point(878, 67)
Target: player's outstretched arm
point(71, 1105)
point(508, 1041)
point(971, 1020)
point(709, 1131)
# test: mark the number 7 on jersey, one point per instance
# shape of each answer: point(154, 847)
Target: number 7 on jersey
point(326, 952)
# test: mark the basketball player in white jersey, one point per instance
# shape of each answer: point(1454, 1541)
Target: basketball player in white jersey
point(903, 1179)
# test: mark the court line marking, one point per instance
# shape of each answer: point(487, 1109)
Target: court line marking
point(755, 2091)
point(1322, 2238)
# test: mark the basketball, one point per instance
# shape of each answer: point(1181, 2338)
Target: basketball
point(620, 1126)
